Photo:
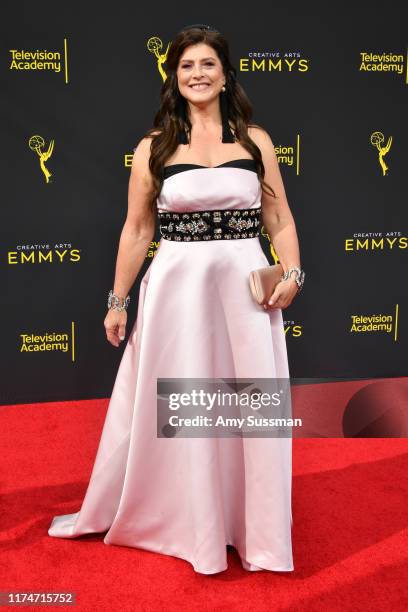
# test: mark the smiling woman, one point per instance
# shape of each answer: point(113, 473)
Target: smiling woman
point(200, 169)
point(203, 75)
point(201, 83)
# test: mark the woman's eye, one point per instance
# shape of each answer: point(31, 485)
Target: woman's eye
point(206, 63)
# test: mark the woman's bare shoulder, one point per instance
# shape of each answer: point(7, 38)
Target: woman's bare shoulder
point(145, 142)
point(258, 134)
point(141, 157)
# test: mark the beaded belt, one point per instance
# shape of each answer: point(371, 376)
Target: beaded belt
point(210, 224)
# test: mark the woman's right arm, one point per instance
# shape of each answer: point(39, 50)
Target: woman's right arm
point(137, 234)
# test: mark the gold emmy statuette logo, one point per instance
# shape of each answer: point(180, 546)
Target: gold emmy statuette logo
point(274, 255)
point(272, 250)
point(155, 45)
point(37, 143)
point(377, 139)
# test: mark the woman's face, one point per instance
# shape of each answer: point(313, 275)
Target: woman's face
point(200, 74)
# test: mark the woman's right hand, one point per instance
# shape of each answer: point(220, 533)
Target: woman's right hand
point(115, 326)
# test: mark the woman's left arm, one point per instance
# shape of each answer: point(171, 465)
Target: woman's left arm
point(278, 221)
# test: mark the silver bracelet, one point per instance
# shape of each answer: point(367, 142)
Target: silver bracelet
point(300, 276)
point(117, 303)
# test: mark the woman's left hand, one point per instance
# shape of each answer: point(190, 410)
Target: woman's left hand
point(283, 295)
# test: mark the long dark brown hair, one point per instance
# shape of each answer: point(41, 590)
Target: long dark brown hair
point(172, 117)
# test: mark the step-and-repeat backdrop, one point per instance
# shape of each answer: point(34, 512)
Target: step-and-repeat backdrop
point(81, 87)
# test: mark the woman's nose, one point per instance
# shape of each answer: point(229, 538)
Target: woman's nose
point(197, 71)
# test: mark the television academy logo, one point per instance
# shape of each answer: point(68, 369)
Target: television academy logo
point(375, 323)
point(40, 61)
point(383, 62)
point(49, 342)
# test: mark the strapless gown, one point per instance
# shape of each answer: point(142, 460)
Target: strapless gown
point(190, 497)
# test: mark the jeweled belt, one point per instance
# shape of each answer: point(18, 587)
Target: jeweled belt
point(210, 224)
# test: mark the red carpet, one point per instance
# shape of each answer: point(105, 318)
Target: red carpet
point(350, 533)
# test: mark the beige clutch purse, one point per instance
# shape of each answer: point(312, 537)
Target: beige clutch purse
point(263, 281)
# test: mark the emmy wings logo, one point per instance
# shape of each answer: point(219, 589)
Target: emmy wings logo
point(37, 145)
point(377, 140)
point(40, 60)
point(367, 242)
point(155, 46)
point(272, 251)
point(383, 62)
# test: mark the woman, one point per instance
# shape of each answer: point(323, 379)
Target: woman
point(191, 497)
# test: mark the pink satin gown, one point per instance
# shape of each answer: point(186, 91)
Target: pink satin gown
point(190, 497)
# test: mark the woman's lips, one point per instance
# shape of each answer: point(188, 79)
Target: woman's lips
point(199, 86)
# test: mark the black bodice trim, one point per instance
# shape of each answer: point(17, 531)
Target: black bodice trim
point(245, 164)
